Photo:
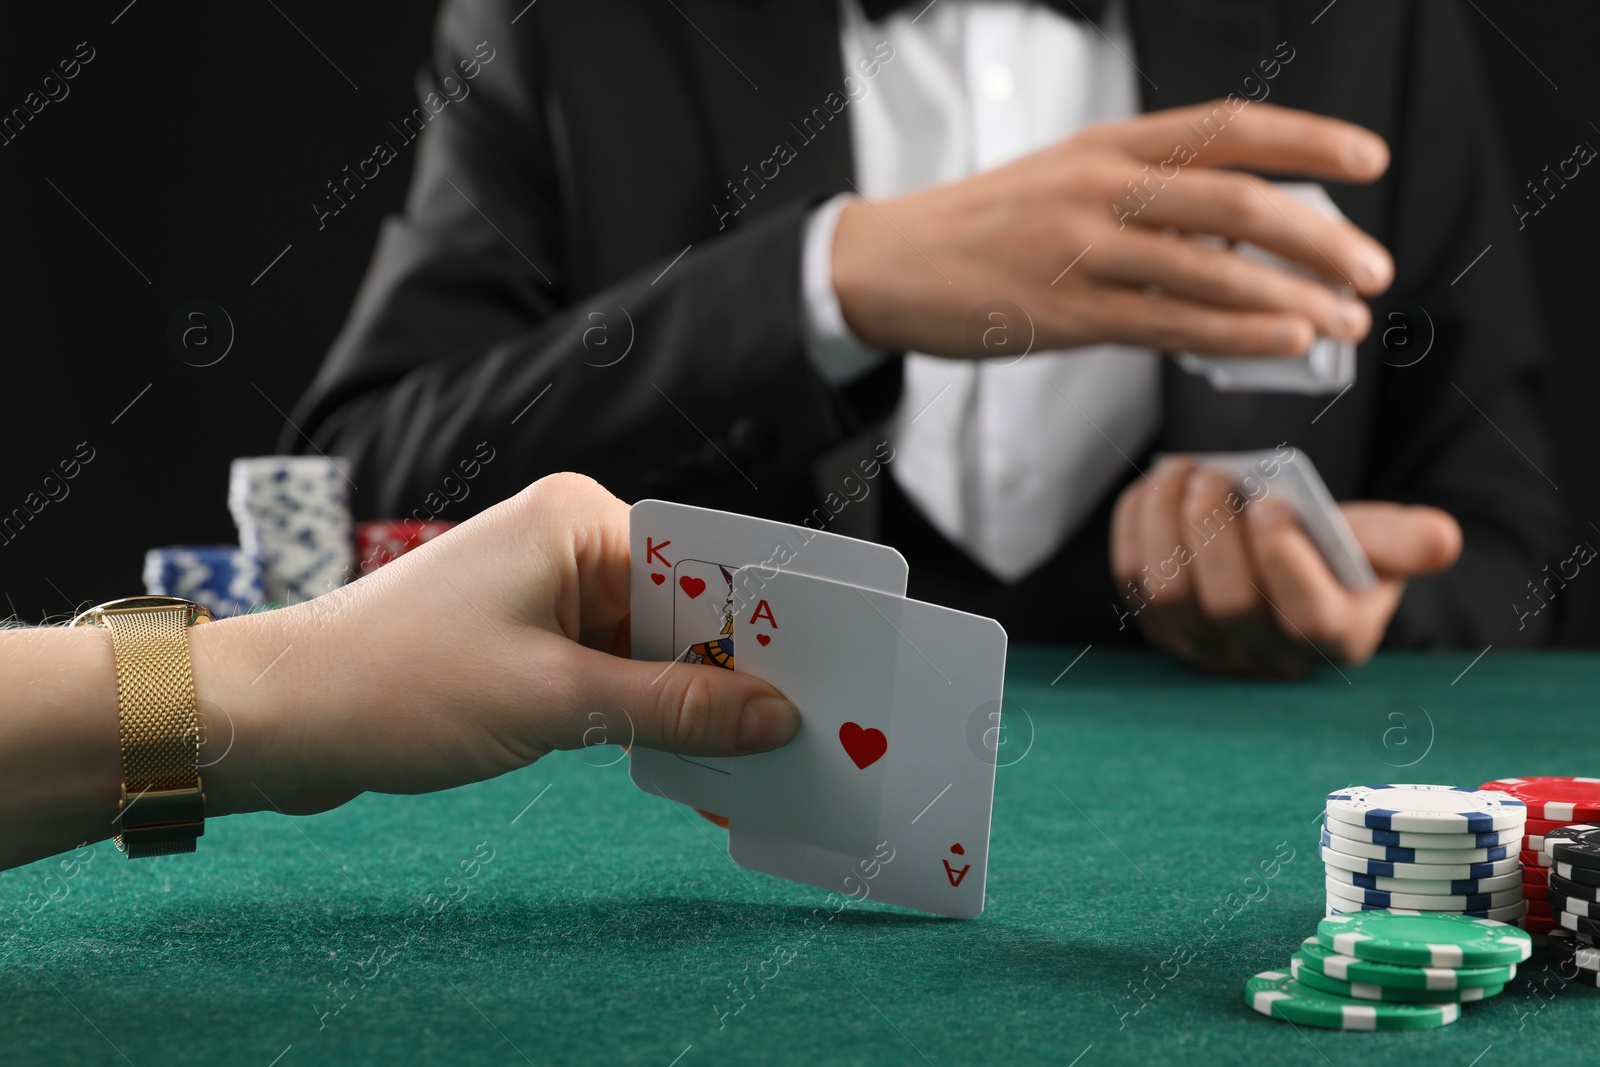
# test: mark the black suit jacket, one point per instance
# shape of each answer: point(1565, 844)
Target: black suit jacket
point(574, 206)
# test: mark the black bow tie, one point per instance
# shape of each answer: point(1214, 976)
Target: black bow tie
point(1077, 9)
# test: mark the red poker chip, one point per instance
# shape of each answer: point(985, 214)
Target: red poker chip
point(1554, 799)
point(1540, 827)
point(385, 541)
point(1535, 859)
point(1539, 908)
point(1532, 891)
point(1536, 876)
point(1541, 924)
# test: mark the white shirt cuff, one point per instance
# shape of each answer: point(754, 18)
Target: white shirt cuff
point(833, 350)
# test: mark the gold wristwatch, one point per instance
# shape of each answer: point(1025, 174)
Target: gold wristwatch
point(162, 810)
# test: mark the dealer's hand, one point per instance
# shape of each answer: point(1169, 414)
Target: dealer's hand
point(1257, 598)
point(912, 270)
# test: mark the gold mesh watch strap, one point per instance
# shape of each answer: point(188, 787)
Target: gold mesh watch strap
point(162, 810)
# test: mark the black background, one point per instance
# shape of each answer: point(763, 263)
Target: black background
point(194, 143)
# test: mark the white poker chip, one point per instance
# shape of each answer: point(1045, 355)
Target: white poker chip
point(1441, 809)
point(293, 514)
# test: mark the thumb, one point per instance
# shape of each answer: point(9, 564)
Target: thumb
point(1404, 540)
point(692, 708)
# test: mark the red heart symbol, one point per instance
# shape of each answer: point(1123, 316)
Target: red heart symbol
point(957, 849)
point(763, 640)
point(693, 586)
point(864, 747)
point(657, 578)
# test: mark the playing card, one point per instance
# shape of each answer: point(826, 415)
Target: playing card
point(1328, 367)
point(1297, 483)
point(683, 599)
point(886, 792)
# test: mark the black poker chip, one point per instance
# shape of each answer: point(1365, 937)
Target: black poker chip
point(1581, 923)
point(1578, 845)
point(1589, 909)
point(1573, 890)
point(1573, 974)
point(1589, 876)
point(1574, 957)
point(1578, 949)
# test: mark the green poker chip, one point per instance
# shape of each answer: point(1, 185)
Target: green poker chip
point(1313, 979)
point(1276, 994)
point(1424, 939)
point(1444, 980)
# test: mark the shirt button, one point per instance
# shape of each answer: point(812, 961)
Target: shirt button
point(997, 83)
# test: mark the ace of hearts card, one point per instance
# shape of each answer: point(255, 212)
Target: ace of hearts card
point(886, 793)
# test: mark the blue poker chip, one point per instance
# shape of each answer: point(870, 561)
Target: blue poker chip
point(1405, 839)
point(1383, 898)
point(1367, 850)
point(1442, 887)
point(224, 578)
point(1433, 872)
point(1434, 809)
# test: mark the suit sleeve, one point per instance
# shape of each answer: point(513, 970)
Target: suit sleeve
point(467, 331)
point(1464, 428)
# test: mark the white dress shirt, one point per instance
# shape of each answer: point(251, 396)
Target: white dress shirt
point(1005, 458)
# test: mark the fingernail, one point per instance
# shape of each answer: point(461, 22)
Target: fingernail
point(1363, 153)
point(1375, 266)
point(767, 723)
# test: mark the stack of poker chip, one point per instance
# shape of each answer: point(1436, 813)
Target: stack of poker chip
point(293, 515)
point(1574, 888)
point(385, 541)
point(1391, 970)
point(223, 578)
point(1429, 848)
point(1553, 803)
point(1576, 959)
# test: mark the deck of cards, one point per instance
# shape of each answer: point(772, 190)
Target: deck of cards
point(1329, 366)
point(1289, 474)
point(887, 791)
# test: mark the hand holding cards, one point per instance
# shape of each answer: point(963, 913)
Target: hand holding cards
point(1295, 481)
point(1327, 367)
point(886, 793)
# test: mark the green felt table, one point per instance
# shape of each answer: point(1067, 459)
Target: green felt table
point(1154, 845)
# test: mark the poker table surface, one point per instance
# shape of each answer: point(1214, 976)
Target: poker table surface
point(1154, 845)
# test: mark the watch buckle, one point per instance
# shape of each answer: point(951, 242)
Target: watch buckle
point(162, 816)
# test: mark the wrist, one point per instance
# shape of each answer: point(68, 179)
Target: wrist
point(253, 699)
point(856, 275)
